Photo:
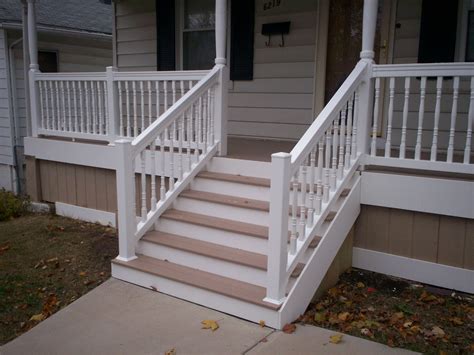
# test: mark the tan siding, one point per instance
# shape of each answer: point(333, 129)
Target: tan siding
point(6, 153)
point(435, 238)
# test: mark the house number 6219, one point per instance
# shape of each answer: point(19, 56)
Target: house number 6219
point(271, 4)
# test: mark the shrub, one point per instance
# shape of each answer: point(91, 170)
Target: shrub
point(12, 206)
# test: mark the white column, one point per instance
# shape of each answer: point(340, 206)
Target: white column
point(112, 106)
point(32, 36)
point(221, 31)
point(368, 29)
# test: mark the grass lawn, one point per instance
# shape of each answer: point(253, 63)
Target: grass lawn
point(396, 312)
point(47, 262)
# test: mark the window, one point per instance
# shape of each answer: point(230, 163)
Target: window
point(438, 31)
point(199, 47)
point(470, 37)
point(48, 61)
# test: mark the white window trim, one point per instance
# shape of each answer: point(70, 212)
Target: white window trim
point(461, 33)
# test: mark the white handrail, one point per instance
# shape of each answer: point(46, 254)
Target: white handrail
point(422, 69)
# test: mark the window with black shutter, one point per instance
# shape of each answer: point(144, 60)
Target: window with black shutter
point(438, 31)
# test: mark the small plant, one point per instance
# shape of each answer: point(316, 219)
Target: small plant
point(12, 206)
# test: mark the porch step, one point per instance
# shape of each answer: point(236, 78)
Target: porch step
point(241, 179)
point(204, 280)
point(233, 255)
point(227, 200)
point(217, 223)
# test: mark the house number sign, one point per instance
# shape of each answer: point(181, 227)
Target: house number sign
point(268, 5)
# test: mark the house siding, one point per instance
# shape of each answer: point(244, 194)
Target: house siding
point(6, 153)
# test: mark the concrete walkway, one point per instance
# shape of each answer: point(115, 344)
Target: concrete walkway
point(120, 318)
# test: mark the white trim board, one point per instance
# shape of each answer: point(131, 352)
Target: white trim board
point(450, 197)
point(86, 214)
point(413, 269)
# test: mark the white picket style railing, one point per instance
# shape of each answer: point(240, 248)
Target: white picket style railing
point(426, 116)
point(105, 106)
point(306, 183)
point(190, 127)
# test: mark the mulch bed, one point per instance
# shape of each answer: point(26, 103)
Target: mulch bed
point(396, 312)
point(47, 262)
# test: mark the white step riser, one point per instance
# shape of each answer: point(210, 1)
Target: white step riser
point(222, 211)
point(240, 167)
point(212, 235)
point(205, 263)
point(197, 295)
point(231, 188)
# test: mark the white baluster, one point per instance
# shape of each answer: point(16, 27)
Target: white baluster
point(81, 105)
point(94, 106)
point(434, 146)
point(421, 113)
point(107, 119)
point(172, 129)
point(173, 88)
point(373, 147)
point(75, 109)
point(205, 122)
point(86, 94)
point(40, 87)
point(63, 105)
point(319, 184)
point(454, 113)
point(335, 141)
point(354, 124)
point(162, 151)
point(210, 108)
point(294, 206)
point(302, 226)
point(47, 95)
point(165, 93)
point(312, 164)
point(69, 106)
point(142, 104)
point(470, 119)
point(199, 140)
point(327, 162)
point(347, 158)
point(342, 137)
point(135, 109)
point(99, 108)
point(157, 89)
point(153, 175)
point(388, 143)
point(58, 102)
point(143, 181)
point(127, 108)
point(189, 135)
point(149, 104)
point(121, 126)
point(405, 118)
point(180, 146)
point(181, 85)
point(195, 115)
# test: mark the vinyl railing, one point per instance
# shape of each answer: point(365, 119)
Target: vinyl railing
point(423, 116)
point(191, 128)
point(105, 106)
point(306, 183)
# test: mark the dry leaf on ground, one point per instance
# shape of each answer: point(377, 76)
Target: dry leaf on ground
point(210, 324)
point(37, 317)
point(335, 339)
point(289, 328)
point(171, 352)
point(262, 323)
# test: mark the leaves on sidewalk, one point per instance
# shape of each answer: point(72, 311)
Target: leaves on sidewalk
point(289, 328)
point(210, 324)
point(335, 339)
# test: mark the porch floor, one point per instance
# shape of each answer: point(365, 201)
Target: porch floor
point(256, 149)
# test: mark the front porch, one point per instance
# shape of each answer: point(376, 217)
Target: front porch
point(255, 234)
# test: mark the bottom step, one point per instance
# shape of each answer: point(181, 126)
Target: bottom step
point(212, 291)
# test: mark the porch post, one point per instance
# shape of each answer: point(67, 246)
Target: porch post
point(34, 67)
point(366, 89)
point(221, 91)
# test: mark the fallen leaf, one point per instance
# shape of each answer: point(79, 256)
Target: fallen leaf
point(82, 273)
point(360, 285)
point(456, 321)
point(319, 317)
point(335, 339)
point(438, 332)
point(52, 260)
point(210, 324)
point(289, 328)
point(171, 352)
point(38, 317)
point(407, 324)
point(262, 323)
point(396, 317)
point(343, 316)
point(366, 332)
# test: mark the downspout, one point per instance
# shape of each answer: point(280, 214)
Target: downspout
point(15, 127)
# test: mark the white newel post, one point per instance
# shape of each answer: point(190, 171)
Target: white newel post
point(220, 125)
point(34, 67)
point(126, 200)
point(366, 89)
point(112, 108)
point(278, 229)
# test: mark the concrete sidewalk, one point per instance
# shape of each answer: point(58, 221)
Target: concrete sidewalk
point(120, 318)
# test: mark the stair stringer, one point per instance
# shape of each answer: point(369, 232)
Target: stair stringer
point(318, 264)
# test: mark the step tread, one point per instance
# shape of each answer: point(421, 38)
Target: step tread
point(201, 279)
point(226, 200)
point(229, 225)
point(241, 179)
point(221, 252)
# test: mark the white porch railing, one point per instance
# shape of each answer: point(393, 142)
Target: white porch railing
point(106, 106)
point(190, 127)
point(308, 181)
point(426, 117)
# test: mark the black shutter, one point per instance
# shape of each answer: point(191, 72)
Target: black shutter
point(241, 39)
point(165, 35)
point(438, 31)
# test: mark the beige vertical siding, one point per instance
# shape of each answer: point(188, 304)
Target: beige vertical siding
point(6, 152)
point(435, 238)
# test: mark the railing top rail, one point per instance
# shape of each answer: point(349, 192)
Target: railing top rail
point(423, 69)
point(161, 75)
point(140, 142)
point(86, 76)
point(327, 115)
